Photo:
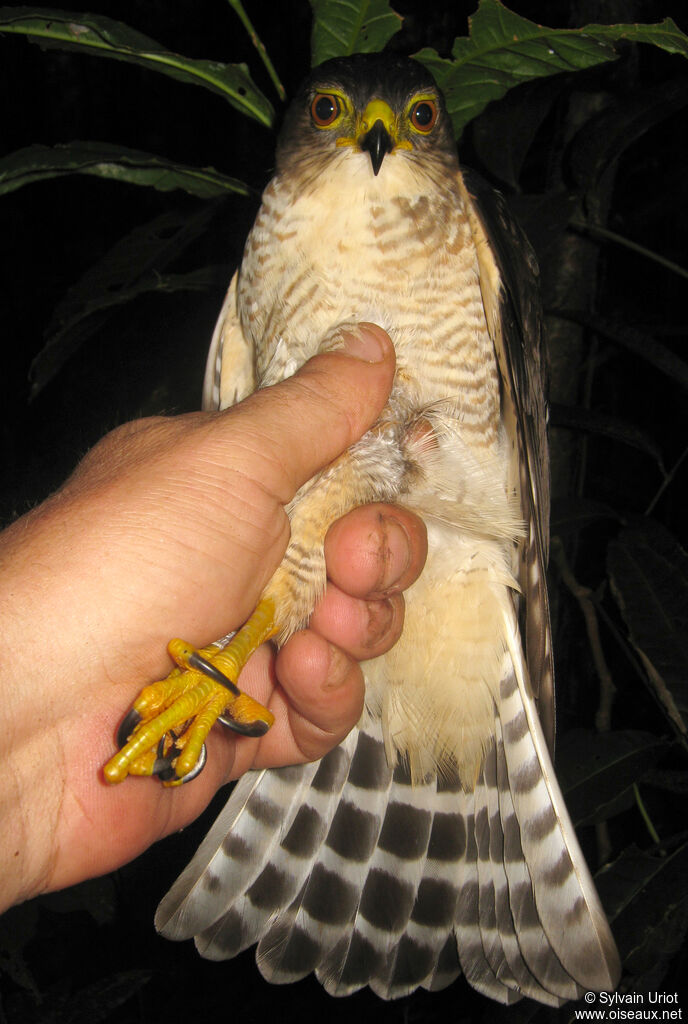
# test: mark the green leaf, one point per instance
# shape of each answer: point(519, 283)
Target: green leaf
point(575, 417)
point(643, 345)
point(97, 1001)
point(104, 37)
point(640, 891)
point(544, 217)
point(612, 236)
point(504, 133)
point(66, 342)
point(342, 27)
point(132, 267)
point(571, 514)
point(595, 769)
point(148, 247)
point(599, 143)
point(35, 163)
point(673, 780)
point(238, 7)
point(665, 34)
point(504, 50)
point(648, 571)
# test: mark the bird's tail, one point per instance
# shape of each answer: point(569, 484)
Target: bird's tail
point(346, 868)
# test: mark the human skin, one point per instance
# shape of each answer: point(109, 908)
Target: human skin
point(172, 527)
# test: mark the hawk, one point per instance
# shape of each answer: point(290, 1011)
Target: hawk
point(434, 840)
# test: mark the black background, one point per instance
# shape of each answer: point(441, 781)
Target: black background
point(149, 358)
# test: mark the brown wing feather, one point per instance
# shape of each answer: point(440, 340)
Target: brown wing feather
point(509, 286)
point(229, 370)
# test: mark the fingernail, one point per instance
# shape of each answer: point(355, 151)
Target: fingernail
point(368, 343)
point(380, 619)
point(338, 671)
point(396, 552)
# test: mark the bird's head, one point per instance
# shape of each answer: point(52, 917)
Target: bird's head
point(372, 106)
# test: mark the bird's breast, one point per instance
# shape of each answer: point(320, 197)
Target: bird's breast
point(406, 261)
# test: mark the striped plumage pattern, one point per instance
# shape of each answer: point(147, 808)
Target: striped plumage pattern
point(434, 840)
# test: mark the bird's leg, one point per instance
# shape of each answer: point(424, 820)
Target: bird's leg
point(165, 730)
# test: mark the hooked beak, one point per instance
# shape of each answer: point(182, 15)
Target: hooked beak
point(377, 143)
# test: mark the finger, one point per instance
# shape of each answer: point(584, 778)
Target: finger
point(376, 550)
point(325, 692)
point(297, 427)
point(364, 629)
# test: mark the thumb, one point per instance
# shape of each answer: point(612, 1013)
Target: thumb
point(306, 421)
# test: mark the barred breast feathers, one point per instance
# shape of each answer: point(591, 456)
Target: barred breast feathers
point(386, 255)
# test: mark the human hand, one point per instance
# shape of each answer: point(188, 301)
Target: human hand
point(173, 526)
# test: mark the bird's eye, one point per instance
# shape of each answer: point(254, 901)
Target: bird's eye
point(325, 109)
point(423, 115)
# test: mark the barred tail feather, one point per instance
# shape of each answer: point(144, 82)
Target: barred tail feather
point(282, 872)
point(329, 902)
point(236, 850)
point(374, 948)
point(566, 901)
point(348, 869)
point(498, 980)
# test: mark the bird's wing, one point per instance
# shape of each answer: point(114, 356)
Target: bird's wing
point(229, 370)
point(508, 280)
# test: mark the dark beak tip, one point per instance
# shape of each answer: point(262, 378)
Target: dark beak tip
point(377, 143)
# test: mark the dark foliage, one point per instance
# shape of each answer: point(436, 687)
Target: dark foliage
point(580, 156)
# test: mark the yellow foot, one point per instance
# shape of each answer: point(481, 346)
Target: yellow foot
point(164, 733)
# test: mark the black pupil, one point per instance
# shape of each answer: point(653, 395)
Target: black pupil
point(422, 115)
point(325, 109)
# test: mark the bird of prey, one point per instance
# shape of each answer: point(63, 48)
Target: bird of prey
point(434, 840)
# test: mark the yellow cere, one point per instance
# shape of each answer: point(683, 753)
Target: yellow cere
point(377, 110)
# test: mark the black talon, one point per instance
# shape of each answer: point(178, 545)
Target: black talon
point(249, 729)
point(127, 726)
point(202, 664)
point(197, 768)
point(163, 768)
